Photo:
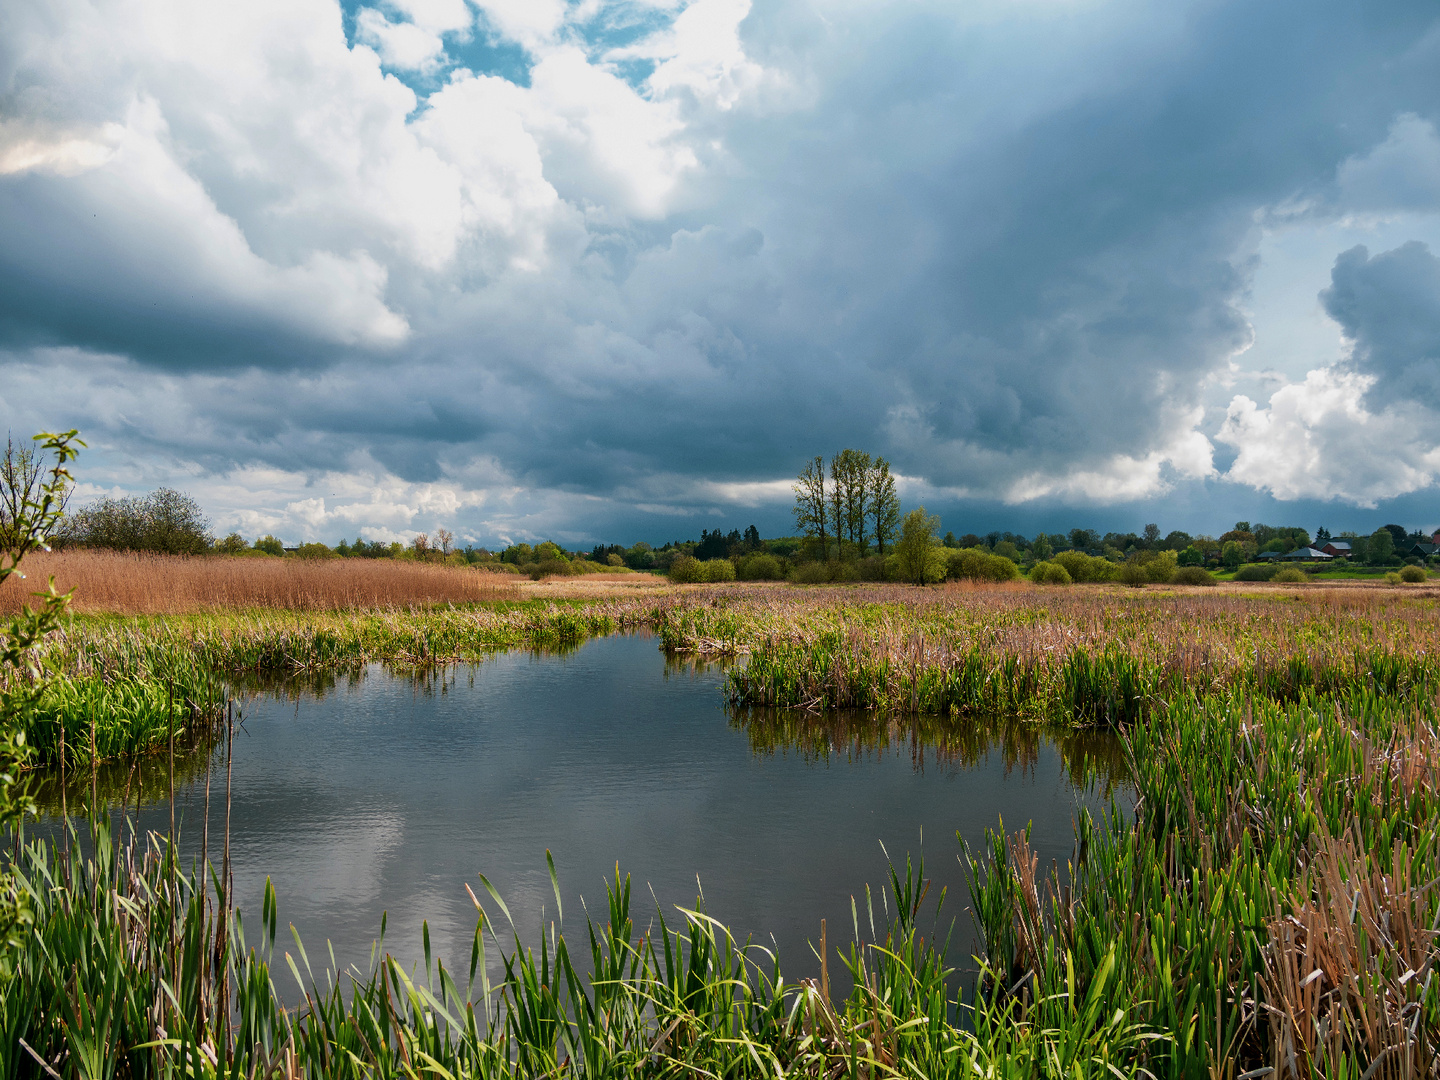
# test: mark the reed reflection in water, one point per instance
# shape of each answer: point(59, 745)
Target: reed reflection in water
point(379, 790)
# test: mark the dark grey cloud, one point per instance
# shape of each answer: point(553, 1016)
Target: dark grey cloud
point(1389, 307)
point(1003, 248)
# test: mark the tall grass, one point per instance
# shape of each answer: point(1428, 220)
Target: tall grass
point(1270, 908)
point(131, 583)
point(1062, 654)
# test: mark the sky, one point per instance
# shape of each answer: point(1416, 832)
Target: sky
point(604, 271)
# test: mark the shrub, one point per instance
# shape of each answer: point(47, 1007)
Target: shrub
point(614, 560)
point(1291, 575)
point(1086, 568)
point(314, 551)
point(719, 570)
point(845, 571)
point(810, 573)
point(1413, 574)
point(686, 570)
point(548, 568)
point(269, 545)
point(1133, 574)
point(1256, 572)
point(166, 522)
point(1049, 573)
point(1191, 575)
point(872, 568)
point(233, 544)
point(762, 567)
point(977, 564)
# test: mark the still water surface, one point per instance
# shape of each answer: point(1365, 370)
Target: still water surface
point(387, 793)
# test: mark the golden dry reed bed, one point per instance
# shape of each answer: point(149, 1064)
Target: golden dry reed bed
point(129, 583)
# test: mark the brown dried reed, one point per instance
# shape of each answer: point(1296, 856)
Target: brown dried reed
point(127, 583)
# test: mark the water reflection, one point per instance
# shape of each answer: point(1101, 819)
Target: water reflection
point(375, 790)
point(954, 744)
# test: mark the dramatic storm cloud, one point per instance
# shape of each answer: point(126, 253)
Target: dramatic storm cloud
point(604, 270)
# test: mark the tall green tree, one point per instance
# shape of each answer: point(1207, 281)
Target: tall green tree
point(917, 542)
point(849, 472)
point(1382, 546)
point(29, 519)
point(812, 510)
point(882, 505)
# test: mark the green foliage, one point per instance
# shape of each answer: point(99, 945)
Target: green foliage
point(1382, 547)
point(314, 551)
point(1049, 573)
point(977, 564)
point(686, 570)
point(916, 547)
point(1191, 556)
point(1257, 572)
point(1290, 575)
point(1414, 575)
point(234, 544)
point(811, 573)
point(1084, 568)
point(1232, 554)
point(716, 570)
point(30, 516)
point(269, 545)
point(760, 567)
point(166, 522)
point(1192, 575)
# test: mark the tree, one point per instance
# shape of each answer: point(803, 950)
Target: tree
point(445, 539)
point(752, 539)
point(1041, 548)
point(22, 481)
point(233, 544)
point(1152, 536)
point(882, 504)
point(1232, 554)
point(849, 471)
point(917, 541)
point(29, 522)
point(1382, 546)
point(1322, 535)
point(166, 521)
point(1084, 539)
point(812, 511)
point(270, 545)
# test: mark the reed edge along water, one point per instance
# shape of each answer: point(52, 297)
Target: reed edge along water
point(1272, 906)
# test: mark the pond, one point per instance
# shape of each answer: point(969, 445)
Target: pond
point(377, 792)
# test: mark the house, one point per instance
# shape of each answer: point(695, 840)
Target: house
point(1423, 550)
point(1339, 549)
point(1306, 554)
point(1267, 556)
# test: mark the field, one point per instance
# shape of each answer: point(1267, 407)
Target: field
point(1264, 893)
point(136, 584)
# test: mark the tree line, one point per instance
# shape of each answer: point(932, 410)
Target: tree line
point(851, 503)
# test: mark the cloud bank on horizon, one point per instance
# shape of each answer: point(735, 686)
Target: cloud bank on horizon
point(611, 268)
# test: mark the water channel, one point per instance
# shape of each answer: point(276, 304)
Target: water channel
point(376, 792)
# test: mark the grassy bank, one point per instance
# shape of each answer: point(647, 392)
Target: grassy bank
point(1270, 905)
point(132, 679)
point(1077, 655)
point(1071, 655)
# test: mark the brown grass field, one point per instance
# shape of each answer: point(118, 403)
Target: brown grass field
point(135, 584)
